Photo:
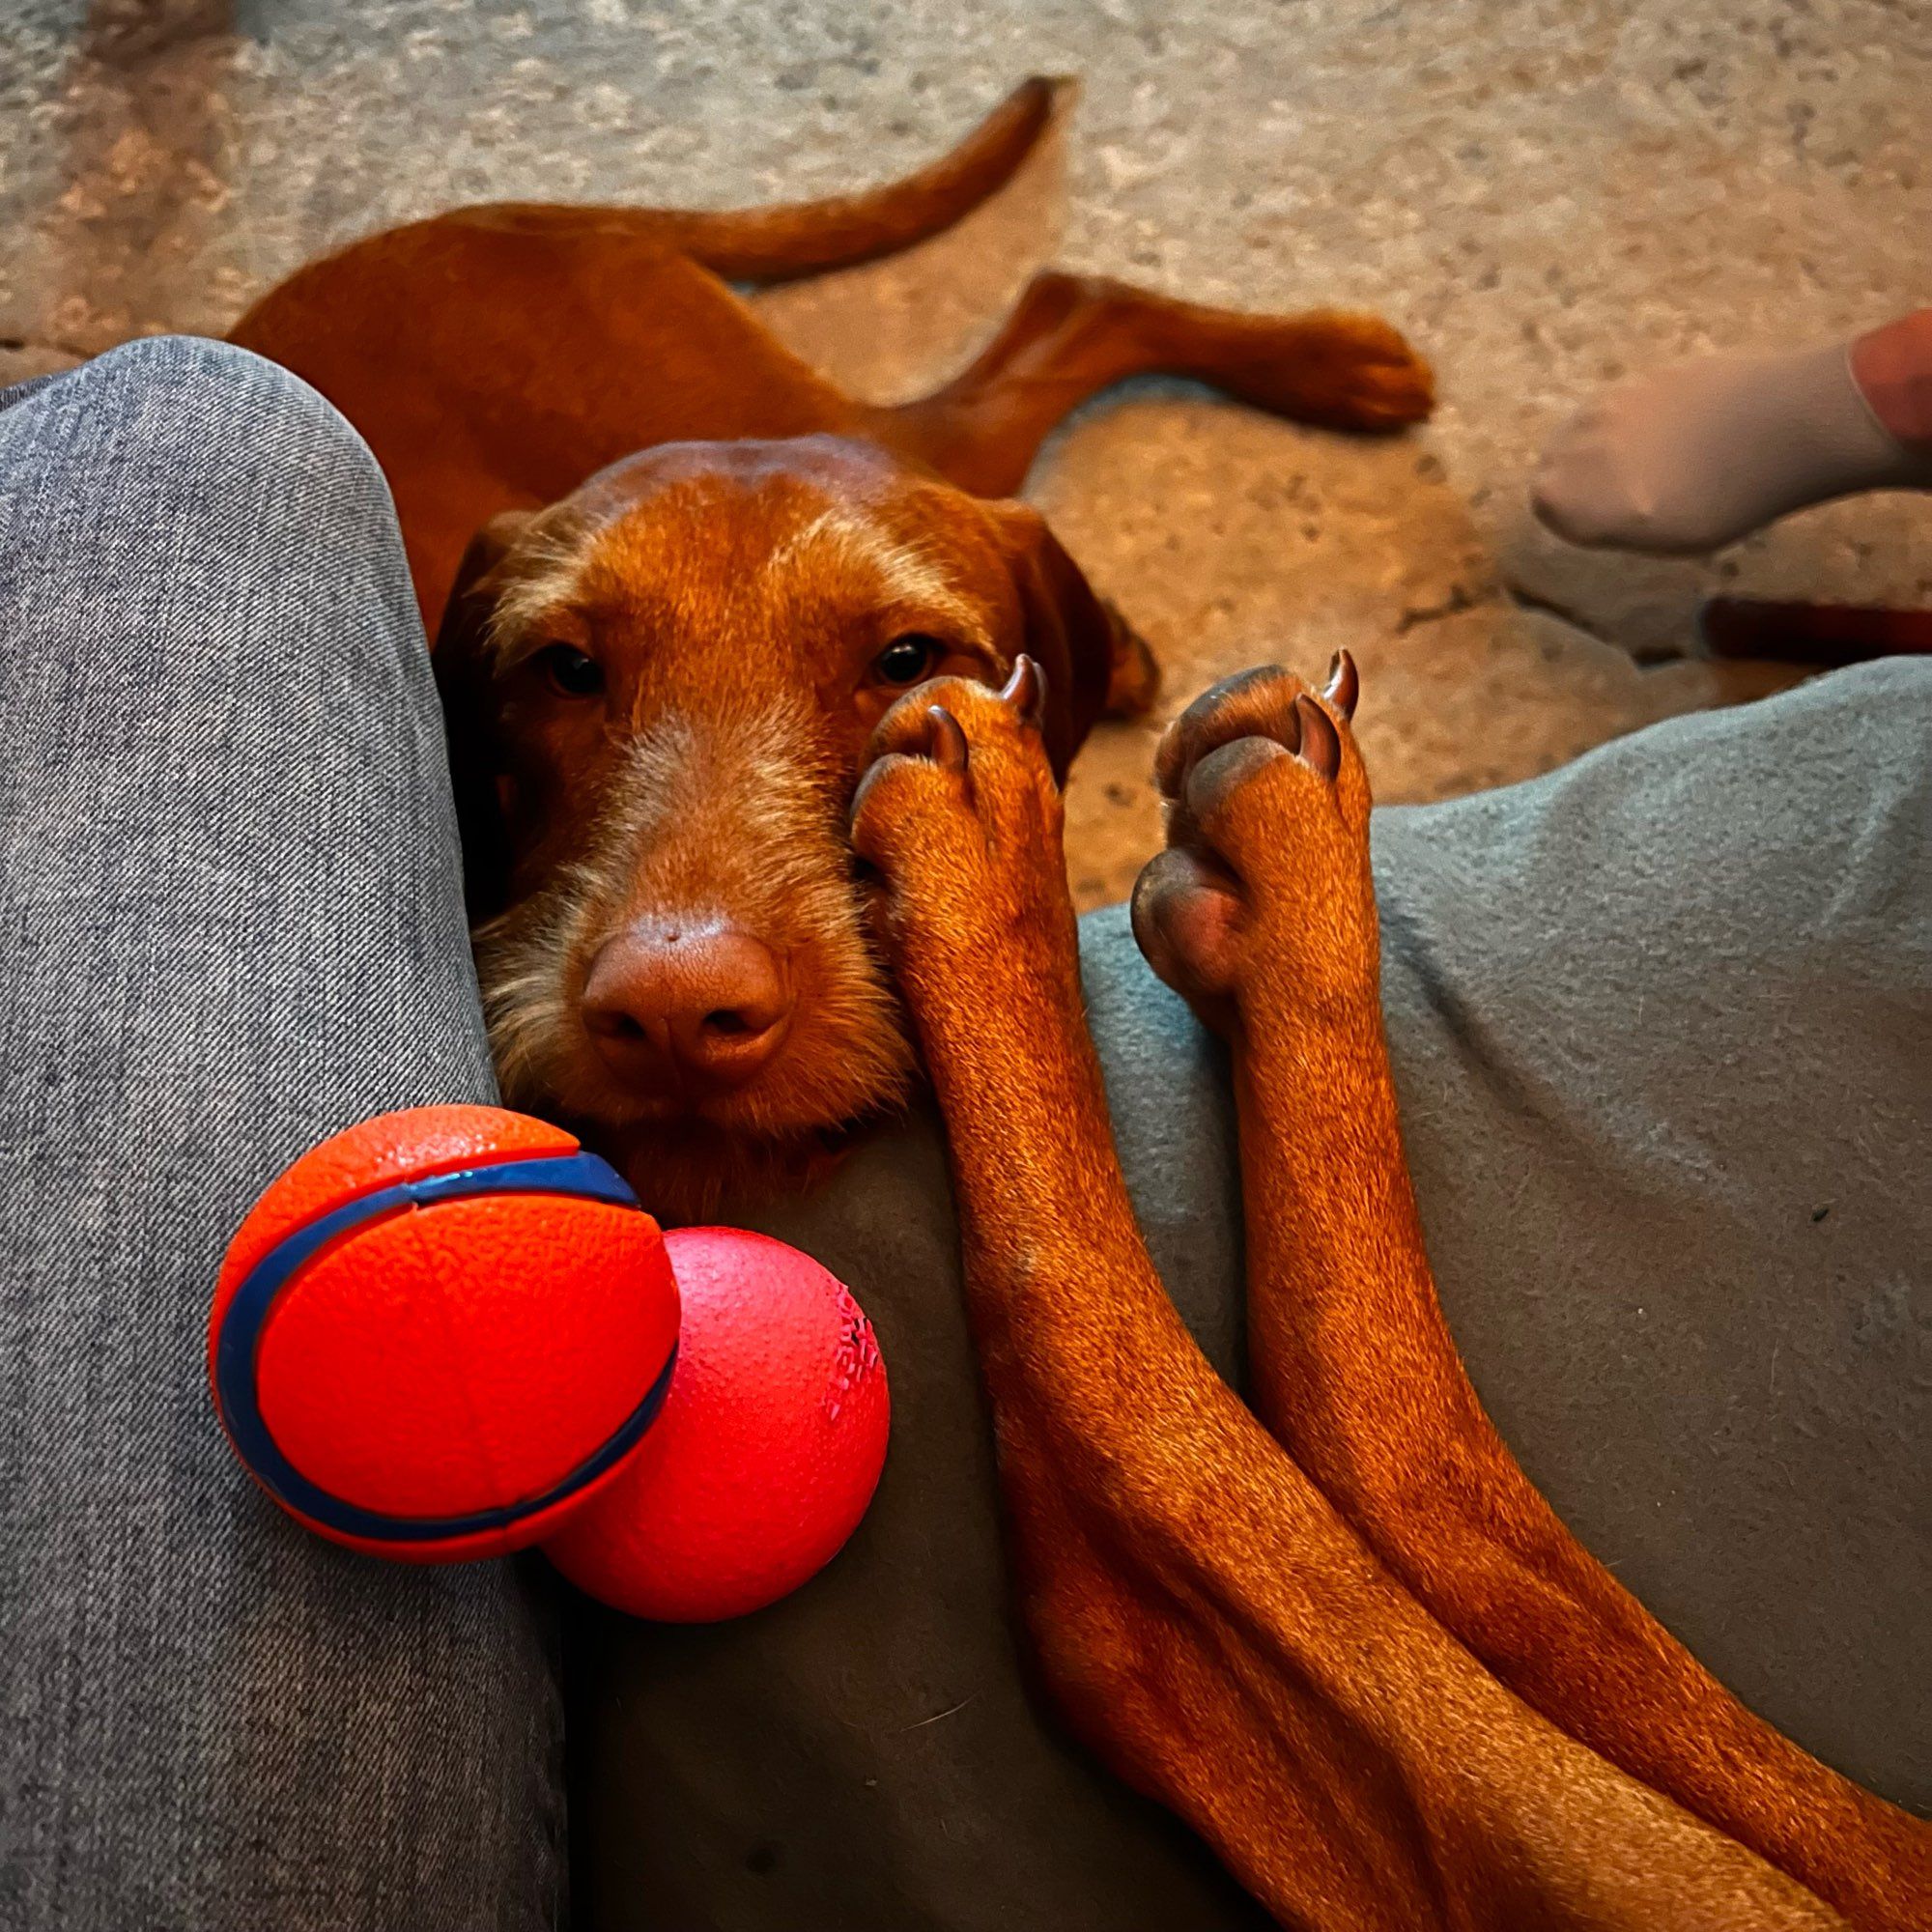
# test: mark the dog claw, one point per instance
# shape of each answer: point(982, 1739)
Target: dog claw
point(1026, 691)
point(948, 742)
point(1343, 685)
point(1321, 741)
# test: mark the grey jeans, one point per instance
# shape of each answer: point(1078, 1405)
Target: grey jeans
point(230, 923)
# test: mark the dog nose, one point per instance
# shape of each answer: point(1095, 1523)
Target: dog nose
point(663, 1001)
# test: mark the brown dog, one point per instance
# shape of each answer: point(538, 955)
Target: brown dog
point(684, 580)
point(1341, 1635)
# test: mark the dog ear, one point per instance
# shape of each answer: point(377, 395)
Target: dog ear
point(461, 663)
point(1094, 662)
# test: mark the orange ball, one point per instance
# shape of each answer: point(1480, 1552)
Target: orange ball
point(768, 1449)
point(439, 1332)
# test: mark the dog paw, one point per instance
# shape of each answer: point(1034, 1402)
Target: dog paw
point(1379, 381)
point(1264, 890)
point(960, 817)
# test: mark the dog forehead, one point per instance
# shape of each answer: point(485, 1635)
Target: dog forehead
point(750, 464)
point(811, 519)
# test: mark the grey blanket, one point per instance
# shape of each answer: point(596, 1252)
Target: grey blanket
point(1662, 1028)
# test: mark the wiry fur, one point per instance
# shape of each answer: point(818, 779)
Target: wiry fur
point(848, 1057)
point(903, 569)
point(551, 554)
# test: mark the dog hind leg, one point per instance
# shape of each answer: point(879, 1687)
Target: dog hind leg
point(1071, 336)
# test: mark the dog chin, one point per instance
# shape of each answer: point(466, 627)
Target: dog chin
point(692, 1156)
point(697, 1173)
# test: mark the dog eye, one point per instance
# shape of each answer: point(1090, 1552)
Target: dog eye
point(570, 671)
point(906, 660)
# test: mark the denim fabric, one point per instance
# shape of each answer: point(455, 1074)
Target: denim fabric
point(229, 924)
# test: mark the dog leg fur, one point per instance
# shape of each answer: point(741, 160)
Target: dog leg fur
point(1262, 910)
point(1206, 1619)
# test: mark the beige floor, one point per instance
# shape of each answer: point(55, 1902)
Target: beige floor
point(1544, 192)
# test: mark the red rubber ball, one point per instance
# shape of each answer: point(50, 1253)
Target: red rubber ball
point(439, 1333)
point(766, 1454)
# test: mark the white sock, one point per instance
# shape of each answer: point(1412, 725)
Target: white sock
point(1694, 457)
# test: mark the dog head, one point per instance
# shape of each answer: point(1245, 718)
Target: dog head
point(658, 695)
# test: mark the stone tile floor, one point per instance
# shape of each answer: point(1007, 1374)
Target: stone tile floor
point(1543, 192)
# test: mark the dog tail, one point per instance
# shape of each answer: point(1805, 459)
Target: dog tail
point(774, 245)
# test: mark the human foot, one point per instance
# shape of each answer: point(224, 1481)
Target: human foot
point(1691, 457)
